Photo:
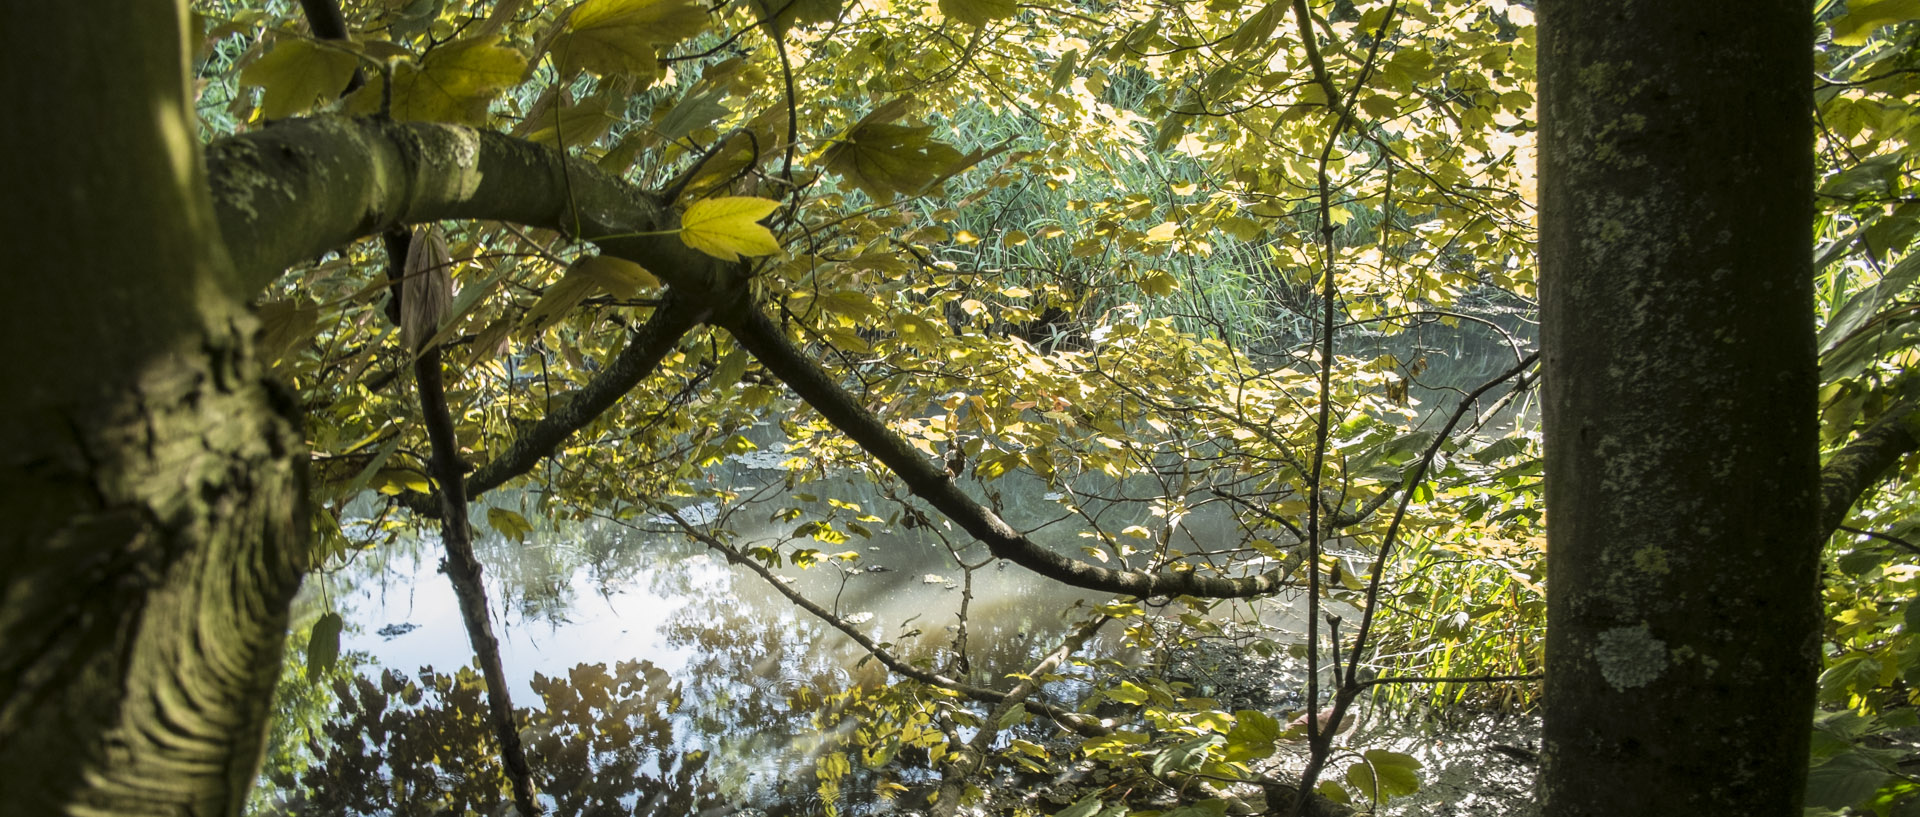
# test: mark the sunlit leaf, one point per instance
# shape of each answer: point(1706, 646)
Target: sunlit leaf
point(618, 276)
point(624, 36)
point(456, 82)
point(882, 159)
point(978, 12)
point(298, 75)
point(728, 227)
point(1863, 18)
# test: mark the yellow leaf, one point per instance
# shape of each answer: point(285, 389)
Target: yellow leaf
point(1158, 283)
point(456, 82)
point(728, 227)
point(1164, 231)
point(624, 36)
point(558, 300)
point(297, 76)
point(618, 276)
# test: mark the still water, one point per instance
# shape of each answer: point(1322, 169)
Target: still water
point(656, 676)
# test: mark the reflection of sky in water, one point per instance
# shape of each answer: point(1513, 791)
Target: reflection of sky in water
point(598, 623)
point(601, 592)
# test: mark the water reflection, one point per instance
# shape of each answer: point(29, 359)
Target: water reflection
point(665, 676)
point(720, 691)
point(604, 742)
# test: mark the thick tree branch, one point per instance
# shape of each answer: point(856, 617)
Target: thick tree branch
point(290, 192)
point(1865, 461)
point(930, 482)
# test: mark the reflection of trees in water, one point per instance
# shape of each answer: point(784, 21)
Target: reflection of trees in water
point(602, 742)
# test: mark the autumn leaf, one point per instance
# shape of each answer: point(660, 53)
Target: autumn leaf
point(624, 36)
point(882, 159)
point(978, 12)
point(298, 75)
point(618, 276)
point(729, 227)
point(456, 81)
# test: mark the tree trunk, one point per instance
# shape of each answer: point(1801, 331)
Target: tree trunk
point(153, 530)
point(1676, 204)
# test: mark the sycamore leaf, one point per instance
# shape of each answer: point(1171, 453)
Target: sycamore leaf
point(581, 123)
point(558, 300)
point(1862, 19)
point(456, 82)
point(298, 75)
point(883, 159)
point(978, 12)
point(624, 36)
point(618, 276)
point(509, 524)
point(728, 227)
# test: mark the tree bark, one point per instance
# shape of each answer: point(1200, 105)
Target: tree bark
point(1681, 448)
point(150, 480)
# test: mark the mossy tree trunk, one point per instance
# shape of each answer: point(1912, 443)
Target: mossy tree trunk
point(1675, 207)
point(151, 528)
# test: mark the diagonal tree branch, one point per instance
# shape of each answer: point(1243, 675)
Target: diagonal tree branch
point(1867, 460)
point(786, 361)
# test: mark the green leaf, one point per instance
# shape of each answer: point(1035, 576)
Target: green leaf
point(610, 37)
point(1185, 756)
point(618, 276)
point(730, 369)
point(728, 227)
point(559, 299)
point(1252, 736)
point(1015, 715)
point(298, 75)
point(1500, 449)
point(1085, 808)
point(978, 12)
point(1396, 772)
point(1867, 303)
point(509, 524)
point(1863, 18)
point(1844, 780)
point(456, 82)
point(691, 113)
point(323, 645)
point(581, 123)
point(1127, 693)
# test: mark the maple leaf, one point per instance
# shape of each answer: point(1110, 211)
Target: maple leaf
point(624, 36)
point(298, 75)
point(728, 227)
point(456, 82)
